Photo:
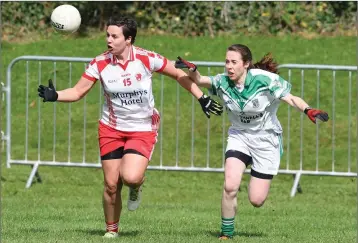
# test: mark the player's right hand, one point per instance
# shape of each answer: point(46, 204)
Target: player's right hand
point(210, 106)
point(48, 93)
point(181, 63)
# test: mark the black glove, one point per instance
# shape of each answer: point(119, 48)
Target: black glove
point(181, 63)
point(210, 106)
point(48, 93)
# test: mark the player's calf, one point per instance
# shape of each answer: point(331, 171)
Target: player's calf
point(135, 184)
point(134, 198)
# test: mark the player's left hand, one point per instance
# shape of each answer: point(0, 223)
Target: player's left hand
point(181, 63)
point(210, 106)
point(314, 114)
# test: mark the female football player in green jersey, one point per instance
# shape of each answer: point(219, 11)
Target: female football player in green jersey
point(251, 93)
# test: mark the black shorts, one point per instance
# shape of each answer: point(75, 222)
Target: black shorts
point(119, 153)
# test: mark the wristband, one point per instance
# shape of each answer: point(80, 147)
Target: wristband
point(306, 110)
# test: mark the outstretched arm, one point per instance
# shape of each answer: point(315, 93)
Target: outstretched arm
point(76, 93)
point(208, 105)
point(67, 95)
point(183, 79)
point(194, 74)
point(295, 101)
point(302, 106)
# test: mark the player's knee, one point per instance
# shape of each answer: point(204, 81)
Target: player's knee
point(230, 190)
point(110, 189)
point(257, 201)
point(132, 180)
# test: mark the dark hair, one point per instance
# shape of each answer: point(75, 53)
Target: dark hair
point(266, 63)
point(129, 26)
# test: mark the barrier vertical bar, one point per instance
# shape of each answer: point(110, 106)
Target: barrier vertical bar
point(177, 127)
point(69, 116)
point(208, 139)
point(317, 124)
point(27, 111)
point(54, 116)
point(301, 121)
point(84, 129)
point(8, 116)
point(39, 117)
point(161, 119)
point(333, 118)
point(192, 131)
point(288, 127)
point(349, 120)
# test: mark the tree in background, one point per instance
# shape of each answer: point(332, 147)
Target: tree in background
point(192, 18)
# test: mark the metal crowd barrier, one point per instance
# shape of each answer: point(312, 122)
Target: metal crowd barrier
point(195, 143)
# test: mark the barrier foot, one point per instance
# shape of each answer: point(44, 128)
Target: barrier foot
point(38, 177)
point(33, 173)
point(296, 185)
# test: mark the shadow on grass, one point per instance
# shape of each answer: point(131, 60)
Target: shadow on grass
point(130, 233)
point(239, 234)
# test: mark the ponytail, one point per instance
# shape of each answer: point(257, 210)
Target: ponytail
point(266, 63)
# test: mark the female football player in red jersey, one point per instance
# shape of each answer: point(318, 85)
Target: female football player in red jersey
point(128, 127)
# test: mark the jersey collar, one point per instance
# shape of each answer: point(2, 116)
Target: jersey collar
point(248, 78)
point(130, 58)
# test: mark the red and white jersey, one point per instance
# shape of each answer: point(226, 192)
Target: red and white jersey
point(129, 101)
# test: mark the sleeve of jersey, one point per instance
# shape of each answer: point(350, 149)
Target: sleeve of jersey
point(215, 84)
point(157, 62)
point(279, 87)
point(91, 72)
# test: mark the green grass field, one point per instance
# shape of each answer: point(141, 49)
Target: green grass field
point(177, 206)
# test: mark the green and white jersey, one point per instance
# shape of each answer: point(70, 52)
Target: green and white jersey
point(254, 107)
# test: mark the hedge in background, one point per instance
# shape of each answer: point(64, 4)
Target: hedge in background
point(192, 18)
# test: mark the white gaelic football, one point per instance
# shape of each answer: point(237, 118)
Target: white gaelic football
point(66, 18)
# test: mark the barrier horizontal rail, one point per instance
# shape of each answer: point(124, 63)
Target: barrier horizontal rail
point(191, 166)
